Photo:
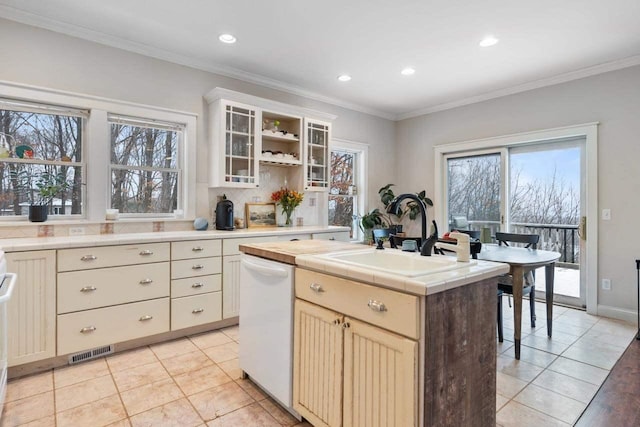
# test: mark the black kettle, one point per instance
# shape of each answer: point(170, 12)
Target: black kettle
point(224, 215)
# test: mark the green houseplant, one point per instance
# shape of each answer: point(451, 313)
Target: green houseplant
point(39, 188)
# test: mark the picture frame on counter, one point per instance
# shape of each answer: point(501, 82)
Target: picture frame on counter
point(260, 214)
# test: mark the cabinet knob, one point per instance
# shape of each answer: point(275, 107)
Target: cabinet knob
point(88, 258)
point(88, 289)
point(197, 310)
point(87, 329)
point(197, 267)
point(145, 318)
point(336, 322)
point(377, 306)
point(346, 325)
point(197, 249)
point(197, 285)
point(146, 281)
point(316, 287)
point(146, 252)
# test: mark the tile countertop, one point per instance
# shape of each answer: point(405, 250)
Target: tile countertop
point(421, 285)
point(63, 242)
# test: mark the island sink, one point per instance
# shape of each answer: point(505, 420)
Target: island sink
point(407, 264)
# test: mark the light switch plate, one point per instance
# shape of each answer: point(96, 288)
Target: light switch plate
point(606, 284)
point(76, 231)
point(606, 214)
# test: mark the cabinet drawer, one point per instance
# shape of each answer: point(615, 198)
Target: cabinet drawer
point(353, 299)
point(87, 289)
point(196, 249)
point(196, 285)
point(93, 328)
point(111, 256)
point(230, 246)
point(196, 267)
point(196, 310)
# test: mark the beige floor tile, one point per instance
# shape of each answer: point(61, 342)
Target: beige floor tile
point(221, 400)
point(186, 362)
point(283, 417)
point(606, 337)
point(578, 318)
point(202, 379)
point(29, 386)
point(567, 386)
point(222, 353)
point(84, 392)
point(579, 370)
point(600, 357)
point(140, 375)
point(569, 328)
point(252, 415)
point(173, 348)
point(517, 368)
point(500, 401)
point(121, 423)
point(551, 403)
point(504, 347)
point(514, 414)
point(232, 368)
point(131, 359)
point(616, 327)
point(545, 344)
point(232, 332)
point(179, 414)
point(73, 374)
point(49, 421)
point(509, 386)
point(29, 409)
point(210, 339)
point(251, 389)
point(149, 396)
point(558, 336)
point(99, 413)
point(536, 357)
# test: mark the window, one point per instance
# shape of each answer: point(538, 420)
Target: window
point(41, 158)
point(346, 187)
point(145, 177)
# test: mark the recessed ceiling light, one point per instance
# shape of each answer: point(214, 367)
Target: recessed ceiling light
point(344, 77)
point(407, 71)
point(227, 38)
point(488, 41)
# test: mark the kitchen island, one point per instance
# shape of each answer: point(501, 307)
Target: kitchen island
point(390, 338)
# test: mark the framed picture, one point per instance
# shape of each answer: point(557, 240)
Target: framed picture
point(260, 214)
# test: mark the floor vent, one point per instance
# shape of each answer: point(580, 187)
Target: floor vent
point(90, 354)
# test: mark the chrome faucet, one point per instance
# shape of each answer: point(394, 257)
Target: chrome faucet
point(462, 248)
point(427, 243)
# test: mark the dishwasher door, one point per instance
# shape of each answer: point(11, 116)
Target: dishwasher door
point(266, 325)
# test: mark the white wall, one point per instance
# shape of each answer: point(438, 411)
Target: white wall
point(613, 99)
point(43, 58)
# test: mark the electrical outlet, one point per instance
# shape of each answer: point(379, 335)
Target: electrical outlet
point(76, 231)
point(606, 214)
point(606, 284)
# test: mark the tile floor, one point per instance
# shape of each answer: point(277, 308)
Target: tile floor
point(196, 381)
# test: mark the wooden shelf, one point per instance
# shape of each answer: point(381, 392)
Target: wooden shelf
point(279, 137)
point(280, 162)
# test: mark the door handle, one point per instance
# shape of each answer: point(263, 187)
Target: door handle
point(582, 228)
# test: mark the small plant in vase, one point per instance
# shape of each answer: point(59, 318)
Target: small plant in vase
point(39, 189)
point(288, 201)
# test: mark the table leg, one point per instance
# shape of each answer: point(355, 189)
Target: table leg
point(518, 281)
point(549, 270)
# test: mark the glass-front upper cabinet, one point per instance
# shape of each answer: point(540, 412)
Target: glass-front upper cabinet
point(317, 140)
point(233, 150)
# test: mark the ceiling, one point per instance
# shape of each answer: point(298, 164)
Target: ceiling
point(301, 46)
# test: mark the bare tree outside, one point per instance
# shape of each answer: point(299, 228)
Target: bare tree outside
point(342, 201)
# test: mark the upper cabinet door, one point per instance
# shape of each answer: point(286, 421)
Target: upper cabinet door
point(317, 150)
point(233, 145)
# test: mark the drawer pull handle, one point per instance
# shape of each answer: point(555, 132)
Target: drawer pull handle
point(336, 322)
point(197, 310)
point(197, 285)
point(197, 267)
point(316, 287)
point(88, 258)
point(346, 325)
point(146, 252)
point(145, 318)
point(87, 329)
point(197, 249)
point(332, 238)
point(146, 281)
point(88, 289)
point(377, 306)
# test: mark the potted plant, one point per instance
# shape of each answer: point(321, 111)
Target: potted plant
point(39, 188)
point(411, 208)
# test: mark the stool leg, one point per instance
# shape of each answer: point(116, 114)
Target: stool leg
point(500, 332)
point(532, 306)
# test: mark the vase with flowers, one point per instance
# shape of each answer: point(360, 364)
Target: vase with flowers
point(288, 201)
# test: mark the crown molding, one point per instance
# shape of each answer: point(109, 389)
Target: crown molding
point(166, 55)
point(536, 84)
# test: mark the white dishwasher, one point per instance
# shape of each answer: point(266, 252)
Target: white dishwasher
point(7, 282)
point(266, 326)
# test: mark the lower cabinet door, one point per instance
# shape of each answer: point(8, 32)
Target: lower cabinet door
point(380, 377)
point(88, 329)
point(196, 310)
point(317, 364)
point(230, 286)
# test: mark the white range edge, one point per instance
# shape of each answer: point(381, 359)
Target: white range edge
point(427, 284)
point(21, 244)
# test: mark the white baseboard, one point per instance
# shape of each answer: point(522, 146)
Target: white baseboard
point(618, 313)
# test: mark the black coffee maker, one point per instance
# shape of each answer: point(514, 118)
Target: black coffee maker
point(224, 215)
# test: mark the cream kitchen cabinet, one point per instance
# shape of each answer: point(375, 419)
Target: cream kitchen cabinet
point(196, 270)
point(344, 367)
point(32, 309)
point(317, 155)
point(341, 236)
